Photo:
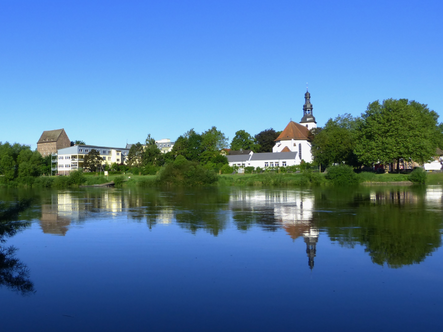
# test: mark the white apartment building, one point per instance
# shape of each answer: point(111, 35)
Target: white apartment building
point(71, 159)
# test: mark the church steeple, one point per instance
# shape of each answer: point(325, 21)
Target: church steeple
point(308, 118)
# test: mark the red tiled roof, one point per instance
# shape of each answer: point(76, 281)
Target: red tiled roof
point(293, 131)
point(286, 149)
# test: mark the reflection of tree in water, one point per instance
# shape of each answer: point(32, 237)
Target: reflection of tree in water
point(202, 209)
point(13, 273)
point(394, 225)
point(191, 209)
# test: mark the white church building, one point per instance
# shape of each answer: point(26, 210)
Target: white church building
point(291, 146)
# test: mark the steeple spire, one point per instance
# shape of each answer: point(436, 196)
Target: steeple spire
point(308, 117)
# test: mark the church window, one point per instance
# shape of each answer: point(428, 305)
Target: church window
point(299, 150)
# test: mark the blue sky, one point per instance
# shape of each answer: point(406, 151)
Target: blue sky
point(111, 72)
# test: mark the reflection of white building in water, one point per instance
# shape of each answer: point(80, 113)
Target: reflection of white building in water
point(293, 210)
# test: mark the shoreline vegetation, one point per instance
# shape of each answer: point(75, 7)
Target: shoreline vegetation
point(187, 174)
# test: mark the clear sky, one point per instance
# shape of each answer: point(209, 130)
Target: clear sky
point(111, 72)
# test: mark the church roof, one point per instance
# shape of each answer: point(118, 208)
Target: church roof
point(293, 131)
point(50, 136)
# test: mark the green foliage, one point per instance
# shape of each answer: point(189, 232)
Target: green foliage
point(76, 178)
point(244, 141)
point(396, 129)
point(61, 182)
point(249, 170)
point(335, 143)
point(342, 175)
point(43, 182)
point(118, 181)
point(418, 176)
point(266, 140)
point(213, 140)
point(186, 173)
point(92, 161)
point(151, 154)
point(226, 169)
point(150, 170)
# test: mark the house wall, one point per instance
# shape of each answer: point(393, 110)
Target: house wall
point(47, 148)
point(303, 148)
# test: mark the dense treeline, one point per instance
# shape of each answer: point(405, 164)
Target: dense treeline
point(387, 132)
point(18, 164)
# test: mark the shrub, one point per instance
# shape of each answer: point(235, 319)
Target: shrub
point(315, 179)
point(342, 175)
point(118, 181)
point(43, 182)
point(61, 182)
point(418, 176)
point(249, 170)
point(150, 170)
point(226, 169)
point(186, 173)
point(76, 178)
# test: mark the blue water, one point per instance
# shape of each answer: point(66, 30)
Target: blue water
point(228, 260)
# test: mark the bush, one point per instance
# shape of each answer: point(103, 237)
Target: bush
point(315, 179)
point(43, 182)
point(150, 170)
point(418, 176)
point(118, 181)
point(342, 175)
point(61, 182)
point(76, 178)
point(249, 170)
point(226, 169)
point(186, 173)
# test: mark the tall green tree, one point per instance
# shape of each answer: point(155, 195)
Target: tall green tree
point(396, 129)
point(335, 142)
point(213, 140)
point(244, 141)
point(92, 161)
point(266, 140)
point(151, 153)
point(135, 155)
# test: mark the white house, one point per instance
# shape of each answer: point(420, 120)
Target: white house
point(71, 159)
point(291, 146)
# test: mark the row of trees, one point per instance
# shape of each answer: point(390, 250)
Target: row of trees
point(388, 131)
point(19, 162)
point(262, 142)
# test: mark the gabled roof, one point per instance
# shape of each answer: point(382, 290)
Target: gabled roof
point(285, 149)
point(50, 136)
point(293, 131)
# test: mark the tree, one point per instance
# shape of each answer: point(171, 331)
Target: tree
point(266, 140)
point(151, 153)
point(78, 142)
point(335, 142)
point(213, 140)
point(135, 155)
point(396, 129)
point(92, 161)
point(244, 141)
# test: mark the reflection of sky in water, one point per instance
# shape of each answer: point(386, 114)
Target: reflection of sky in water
point(113, 272)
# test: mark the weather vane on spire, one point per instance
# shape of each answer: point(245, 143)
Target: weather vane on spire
point(306, 86)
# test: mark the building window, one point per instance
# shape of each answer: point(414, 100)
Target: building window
point(272, 164)
point(86, 150)
point(266, 164)
point(243, 165)
point(104, 152)
point(118, 153)
point(109, 158)
point(299, 150)
point(118, 159)
point(276, 164)
point(283, 163)
point(80, 150)
point(68, 157)
point(104, 158)
point(60, 166)
point(60, 157)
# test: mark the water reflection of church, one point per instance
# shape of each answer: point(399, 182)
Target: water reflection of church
point(292, 210)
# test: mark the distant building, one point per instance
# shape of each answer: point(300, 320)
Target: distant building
point(165, 145)
point(71, 159)
point(51, 141)
point(291, 146)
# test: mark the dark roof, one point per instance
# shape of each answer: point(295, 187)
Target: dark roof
point(50, 135)
point(234, 153)
point(262, 156)
point(293, 131)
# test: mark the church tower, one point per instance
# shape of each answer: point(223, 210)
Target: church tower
point(308, 119)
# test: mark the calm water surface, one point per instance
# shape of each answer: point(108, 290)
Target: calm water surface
point(224, 260)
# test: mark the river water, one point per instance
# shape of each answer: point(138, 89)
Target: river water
point(366, 259)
